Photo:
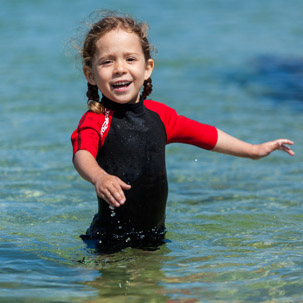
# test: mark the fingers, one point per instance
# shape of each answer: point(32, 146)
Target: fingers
point(113, 194)
point(110, 189)
point(123, 184)
point(281, 144)
point(287, 150)
point(284, 141)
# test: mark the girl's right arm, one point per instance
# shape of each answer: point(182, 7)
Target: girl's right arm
point(108, 187)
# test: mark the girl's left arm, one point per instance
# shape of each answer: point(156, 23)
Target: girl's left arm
point(232, 146)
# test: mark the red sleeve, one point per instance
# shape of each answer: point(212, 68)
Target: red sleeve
point(183, 130)
point(87, 135)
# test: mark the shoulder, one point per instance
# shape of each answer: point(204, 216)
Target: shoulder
point(90, 119)
point(158, 107)
point(168, 115)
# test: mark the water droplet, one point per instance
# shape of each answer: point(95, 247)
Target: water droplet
point(100, 241)
point(112, 208)
point(196, 160)
point(120, 227)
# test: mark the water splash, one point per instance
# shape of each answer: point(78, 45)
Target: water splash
point(112, 208)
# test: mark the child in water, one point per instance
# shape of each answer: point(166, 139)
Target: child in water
point(119, 145)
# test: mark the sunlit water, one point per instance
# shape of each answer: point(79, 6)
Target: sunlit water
point(234, 225)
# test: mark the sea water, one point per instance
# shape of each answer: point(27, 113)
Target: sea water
point(234, 226)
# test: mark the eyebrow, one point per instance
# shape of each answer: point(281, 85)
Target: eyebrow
point(125, 54)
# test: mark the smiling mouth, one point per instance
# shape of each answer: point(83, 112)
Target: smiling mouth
point(121, 85)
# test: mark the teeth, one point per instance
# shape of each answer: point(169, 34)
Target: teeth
point(123, 83)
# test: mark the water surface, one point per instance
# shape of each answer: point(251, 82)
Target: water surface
point(234, 225)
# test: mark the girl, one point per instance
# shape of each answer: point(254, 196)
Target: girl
point(119, 145)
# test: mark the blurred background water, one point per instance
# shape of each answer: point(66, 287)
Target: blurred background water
point(234, 225)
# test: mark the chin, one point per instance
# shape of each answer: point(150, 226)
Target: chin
point(125, 100)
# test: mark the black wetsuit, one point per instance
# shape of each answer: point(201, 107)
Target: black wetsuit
point(128, 141)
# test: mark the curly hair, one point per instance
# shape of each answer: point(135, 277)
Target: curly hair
point(111, 20)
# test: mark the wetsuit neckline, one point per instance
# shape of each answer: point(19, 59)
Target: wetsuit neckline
point(137, 108)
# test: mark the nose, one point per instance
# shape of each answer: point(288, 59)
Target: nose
point(120, 67)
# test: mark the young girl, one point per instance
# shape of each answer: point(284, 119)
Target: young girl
point(119, 145)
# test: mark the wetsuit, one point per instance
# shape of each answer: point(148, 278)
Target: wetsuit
point(128, 141)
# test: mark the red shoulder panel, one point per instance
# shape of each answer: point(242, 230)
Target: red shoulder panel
point(183, 130)
point(91, 132)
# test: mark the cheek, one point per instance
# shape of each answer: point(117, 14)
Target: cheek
point(102, 77)
point(143, 72)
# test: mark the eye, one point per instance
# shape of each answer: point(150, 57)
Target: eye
point(131, 59)
point(106, 62)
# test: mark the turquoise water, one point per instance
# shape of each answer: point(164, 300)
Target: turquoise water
point(234, 225)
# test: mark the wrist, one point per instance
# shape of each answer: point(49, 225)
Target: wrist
point(97, 176)
point(255, 152)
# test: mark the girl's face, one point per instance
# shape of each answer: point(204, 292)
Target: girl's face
point(119, 67)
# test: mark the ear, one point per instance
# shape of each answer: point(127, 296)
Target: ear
point(148, 68)
point(89, 75)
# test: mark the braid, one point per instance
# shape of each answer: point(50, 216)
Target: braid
point(92, 92)
point(147, 88)
point(93, 99)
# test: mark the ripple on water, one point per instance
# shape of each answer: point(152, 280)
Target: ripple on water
point(234, 225)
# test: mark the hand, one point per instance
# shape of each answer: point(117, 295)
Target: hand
point(264, 149)
point(110, 188)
